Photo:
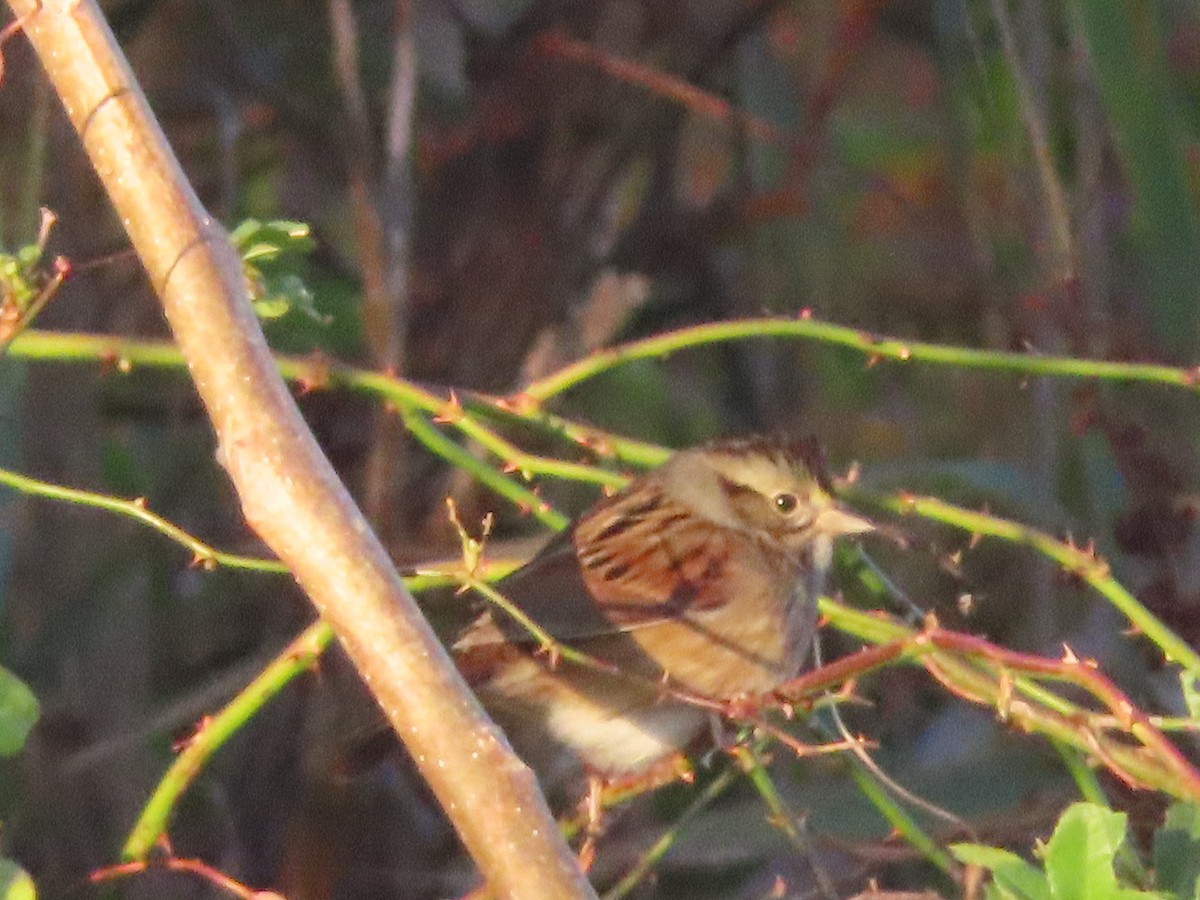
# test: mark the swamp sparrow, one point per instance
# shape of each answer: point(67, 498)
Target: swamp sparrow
point(701, 576)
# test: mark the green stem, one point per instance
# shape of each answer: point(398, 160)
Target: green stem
point(298, 657)
point(1083, 563)
point(1085, 779)
point(874, 347)
point(203, 555)
point(651, 857)
point(295, 659)
point(521, 497)
point(904, 824)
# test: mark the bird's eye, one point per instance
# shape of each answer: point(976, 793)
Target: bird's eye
point(786, 503)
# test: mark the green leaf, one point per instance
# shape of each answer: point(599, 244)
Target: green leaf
point(243, 231)
point(18, 713)
point(1013, 876)
point(1177, 851)
point(15, 883)
point(1191, 693)
point(256, 240)
point(271, 255)
point(19, 275)
point(273, 307)
point(260, 252)
point(1079, 856)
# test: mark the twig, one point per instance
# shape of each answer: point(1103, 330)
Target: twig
point(289, 492)
point(203, 554)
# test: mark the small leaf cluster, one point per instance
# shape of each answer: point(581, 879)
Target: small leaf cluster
point(1089, 858)
point(21, 277)
point(271, 255)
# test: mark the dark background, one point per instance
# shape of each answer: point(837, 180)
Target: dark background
point(1005, 175)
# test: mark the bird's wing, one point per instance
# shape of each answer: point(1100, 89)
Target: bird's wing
point(635, 560)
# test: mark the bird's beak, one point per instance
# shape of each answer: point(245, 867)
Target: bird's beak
point(836, 521)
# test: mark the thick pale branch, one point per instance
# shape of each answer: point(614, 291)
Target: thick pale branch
point(288, 491)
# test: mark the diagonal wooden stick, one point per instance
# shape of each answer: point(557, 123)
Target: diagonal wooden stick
point(289, 492)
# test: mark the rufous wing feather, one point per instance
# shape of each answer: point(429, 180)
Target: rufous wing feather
point(634, 560)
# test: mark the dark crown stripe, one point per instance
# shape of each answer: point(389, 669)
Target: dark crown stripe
point(805, 452)
point(732, 488)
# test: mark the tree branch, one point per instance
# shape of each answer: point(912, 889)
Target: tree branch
point(289, 492)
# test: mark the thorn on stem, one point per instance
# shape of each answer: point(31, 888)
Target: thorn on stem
point(450, 412)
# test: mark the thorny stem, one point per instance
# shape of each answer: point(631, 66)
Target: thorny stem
point(1081, 562)
point(874, 347)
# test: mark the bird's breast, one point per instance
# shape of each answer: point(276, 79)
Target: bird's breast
point(733, 650)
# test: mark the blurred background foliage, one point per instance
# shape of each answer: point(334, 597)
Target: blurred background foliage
point(494, 188)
